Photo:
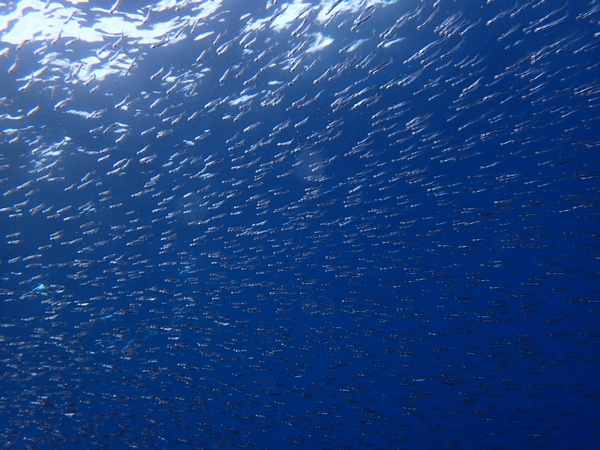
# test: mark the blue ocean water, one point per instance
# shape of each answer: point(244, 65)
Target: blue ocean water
point(335, 224)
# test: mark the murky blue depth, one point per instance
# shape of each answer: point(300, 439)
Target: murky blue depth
point(249, 224)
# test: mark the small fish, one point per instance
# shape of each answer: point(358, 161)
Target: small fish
point(114, 7)
point(63, 103)
point(364, 16)
point(14, 65)
point(164, 133)
point(32, 111)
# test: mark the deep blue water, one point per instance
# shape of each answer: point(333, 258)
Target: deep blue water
point(415, 265)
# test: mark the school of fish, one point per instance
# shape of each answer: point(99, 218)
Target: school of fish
point(197, 196)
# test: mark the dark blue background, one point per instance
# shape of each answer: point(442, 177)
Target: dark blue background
point(437, 293)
